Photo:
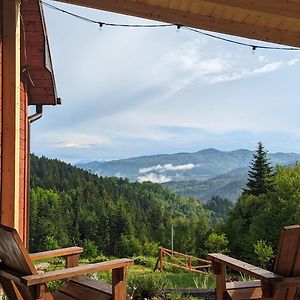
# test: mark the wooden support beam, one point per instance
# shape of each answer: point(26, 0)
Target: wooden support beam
point(11, 114)
point(211, 23)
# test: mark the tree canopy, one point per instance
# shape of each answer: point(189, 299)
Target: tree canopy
point(111, 215)
point(253, 226)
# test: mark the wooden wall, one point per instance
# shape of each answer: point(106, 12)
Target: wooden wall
point(16, 93)
point(23, 174)
point(1, 65)
point(23, 208)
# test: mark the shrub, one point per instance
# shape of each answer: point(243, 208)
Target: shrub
point(146, 286)
point(50, 243)
point(264, 253)
point(217, 243)
point(90, 249)
point(150, 249)
point(129, 246)
point(145, 261)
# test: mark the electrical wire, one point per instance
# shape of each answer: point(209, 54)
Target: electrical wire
point(253, 46)
point(104, 23)
point(178, 26)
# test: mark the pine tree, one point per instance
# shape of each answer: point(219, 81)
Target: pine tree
point(260, 175)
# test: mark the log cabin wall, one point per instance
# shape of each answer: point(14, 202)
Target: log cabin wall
point(26, 75)
point(1, 95)
point(23, 207)
point(23, 160)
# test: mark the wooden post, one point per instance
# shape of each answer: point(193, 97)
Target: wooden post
point(11, 114)
point(172, 239)
point(220, 272)
point(160, 259)
point(72, 261)
point(119, 290)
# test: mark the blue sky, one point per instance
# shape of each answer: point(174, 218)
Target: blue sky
point(131, 92)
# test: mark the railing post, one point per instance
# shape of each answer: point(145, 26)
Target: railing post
point(119, 291)
point(72, 261)
point(160, 259)
point(220, 272)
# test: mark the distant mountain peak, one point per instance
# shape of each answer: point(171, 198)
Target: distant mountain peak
point(209, 151)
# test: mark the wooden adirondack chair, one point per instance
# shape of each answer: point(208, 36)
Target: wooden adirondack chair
point(281, 284)
point(20, 280)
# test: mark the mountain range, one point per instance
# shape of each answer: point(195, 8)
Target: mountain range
point(201, 174)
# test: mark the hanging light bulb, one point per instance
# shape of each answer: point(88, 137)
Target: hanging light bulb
point(178, 28)
point(100, 26)
point(253, 49)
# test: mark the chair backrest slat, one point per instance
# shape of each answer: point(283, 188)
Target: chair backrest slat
point(13, 254)
point(288, 259)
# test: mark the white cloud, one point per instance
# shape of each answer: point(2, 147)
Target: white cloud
point(74, 145)
point(168, 167)
point(195, 63)
point(246, 73)
point(153, 177)
point(123, 100)
point(75, 140)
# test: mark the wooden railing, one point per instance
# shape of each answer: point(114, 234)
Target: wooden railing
point(167, 257)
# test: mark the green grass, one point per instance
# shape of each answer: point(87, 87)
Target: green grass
point(171, 278)
point(180, 279)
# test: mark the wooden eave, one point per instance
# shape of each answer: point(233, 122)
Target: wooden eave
point(276, 21)
point(36, 59)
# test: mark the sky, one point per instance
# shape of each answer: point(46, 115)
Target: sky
point(130, 92)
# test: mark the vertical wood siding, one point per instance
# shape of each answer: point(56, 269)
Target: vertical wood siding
point(23, 161)
point(1, 95)
point(23, 207)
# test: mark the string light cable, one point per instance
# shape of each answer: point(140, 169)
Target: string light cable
point(178, 26)
point(101, 24)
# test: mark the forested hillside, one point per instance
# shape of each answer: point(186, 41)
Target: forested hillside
point(109, 215)
point(113, 216)
point(229, 185)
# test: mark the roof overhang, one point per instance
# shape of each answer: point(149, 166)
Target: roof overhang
point(36, 58)
point(276, 21)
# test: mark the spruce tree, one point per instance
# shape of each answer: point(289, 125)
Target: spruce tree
point(261, 174)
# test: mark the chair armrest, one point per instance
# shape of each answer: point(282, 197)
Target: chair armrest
point(56, 253)
point(76, 271)
point(244, 267)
